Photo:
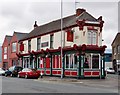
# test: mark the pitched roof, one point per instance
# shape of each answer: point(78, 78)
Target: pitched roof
point(8, 37)
point(20, 35)
point(87, 17)
point(56, 25)
point(116, 37)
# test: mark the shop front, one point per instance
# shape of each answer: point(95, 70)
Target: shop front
point(77, 61)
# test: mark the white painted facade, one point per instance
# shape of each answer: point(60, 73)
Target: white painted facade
point(80, 37)
point(45, 38)
point(57, 39)
point(34, 44)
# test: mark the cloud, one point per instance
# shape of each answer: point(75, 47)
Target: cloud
point(20, 16)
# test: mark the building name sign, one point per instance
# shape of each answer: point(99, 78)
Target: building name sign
point(45, 44)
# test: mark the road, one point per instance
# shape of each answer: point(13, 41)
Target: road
point(21, 85)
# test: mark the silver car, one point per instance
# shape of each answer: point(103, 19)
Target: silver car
point(110, 71)
point(2, 72)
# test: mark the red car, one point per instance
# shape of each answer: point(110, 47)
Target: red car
point(29, 73)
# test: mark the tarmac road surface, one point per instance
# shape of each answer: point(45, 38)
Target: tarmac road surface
point(21, 85)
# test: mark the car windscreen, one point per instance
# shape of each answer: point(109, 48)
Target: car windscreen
point(26, 70)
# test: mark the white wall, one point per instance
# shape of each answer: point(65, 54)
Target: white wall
point(80, 37)
point(34, 44)
point(57, 39)
point(99, 38)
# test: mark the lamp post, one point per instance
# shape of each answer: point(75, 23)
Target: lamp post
point(61, 40)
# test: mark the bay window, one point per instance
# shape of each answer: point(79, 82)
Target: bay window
point(92, 37)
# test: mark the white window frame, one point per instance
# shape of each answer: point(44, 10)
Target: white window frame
point(118, 49)
point(5, 49)
point(14, 47)
point(92, 37)
point(5, 56)
point(90, 60)
point(71, 60)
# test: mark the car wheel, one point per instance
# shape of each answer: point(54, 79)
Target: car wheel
point(5, 75)
point(26, 76)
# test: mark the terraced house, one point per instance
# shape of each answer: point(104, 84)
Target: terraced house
point(82, 52)
point(10, 48)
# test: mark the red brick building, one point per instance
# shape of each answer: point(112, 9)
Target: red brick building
point(5, 51)
point(10, 48)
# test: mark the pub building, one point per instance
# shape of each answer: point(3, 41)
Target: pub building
point(82, 51)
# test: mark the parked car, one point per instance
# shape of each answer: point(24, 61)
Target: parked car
point(13, 71)
point(2, 72)
point(29, 73)
point(110, 71)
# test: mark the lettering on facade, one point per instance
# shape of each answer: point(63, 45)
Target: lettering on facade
point(45, 44)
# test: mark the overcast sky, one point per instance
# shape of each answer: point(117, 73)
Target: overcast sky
point(20, 16)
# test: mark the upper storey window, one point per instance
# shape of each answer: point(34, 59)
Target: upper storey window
point(92, 37)
point(5, 49)
point(14, 47)
point(51, 40)
point(29, 45)
point(38, 43)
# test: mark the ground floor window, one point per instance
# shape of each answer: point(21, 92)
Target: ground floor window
point(70, 61)
point(26, 62)
point(38, 62)
point(92, 61)
point(56, 61)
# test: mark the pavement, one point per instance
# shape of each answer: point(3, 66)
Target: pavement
point(111, 81)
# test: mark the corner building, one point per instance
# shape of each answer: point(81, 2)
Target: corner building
point(82, 52)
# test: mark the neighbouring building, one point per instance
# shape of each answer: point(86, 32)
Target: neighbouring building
point(10, 49)
point(0, 56)
point(116, 51)
point(82, 50)
point(5, 51)
point(108, 58)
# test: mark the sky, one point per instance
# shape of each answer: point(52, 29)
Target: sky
point(20, 15)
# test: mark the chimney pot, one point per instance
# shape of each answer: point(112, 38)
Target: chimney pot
point(35, 25)
point(100, 18)
point(79, 11)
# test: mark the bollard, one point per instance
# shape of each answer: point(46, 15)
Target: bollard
point(41, 75)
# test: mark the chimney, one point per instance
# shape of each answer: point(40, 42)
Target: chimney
point(100, 18)
point(35, 25)
point(79, 11)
